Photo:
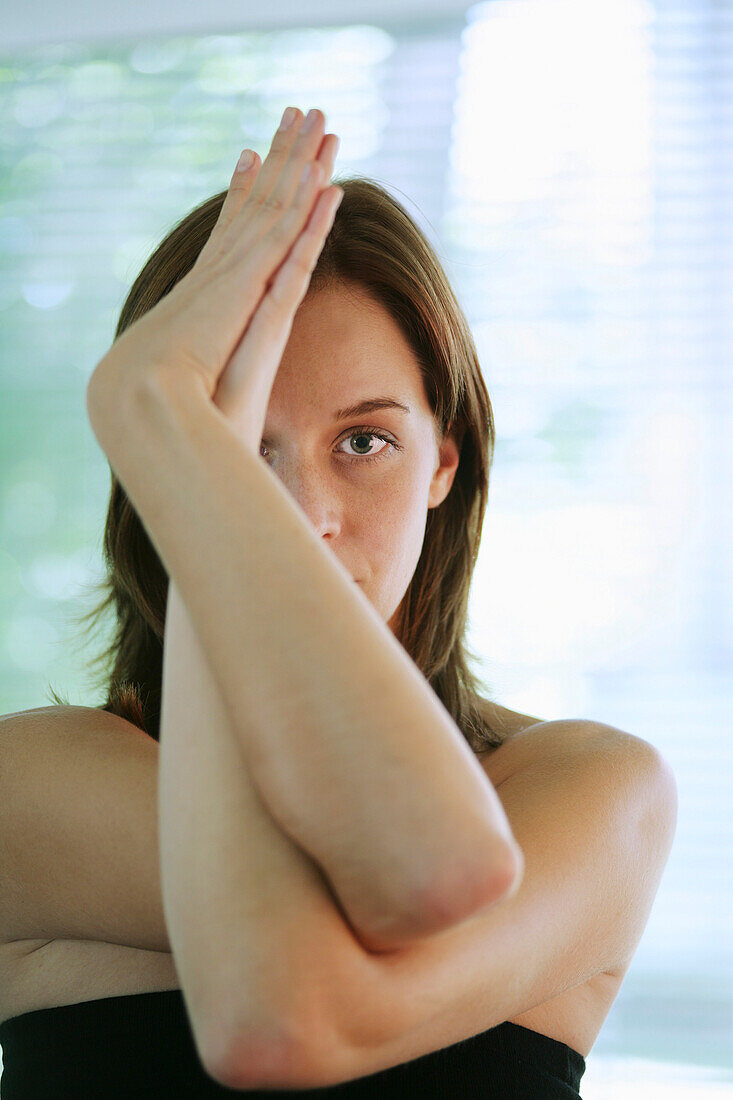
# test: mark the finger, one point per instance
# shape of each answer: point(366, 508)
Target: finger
point(281, 147)
point(305, 148)
point(243, 178)
point(259, 244)
point(221, 242)
point(289, 284)
point(241, 184)
point(327, 155)
point(273, 247)
point(239, 189)
point(258, 354)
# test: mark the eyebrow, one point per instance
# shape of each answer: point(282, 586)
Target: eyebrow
point(361, 408)
point(371, 404)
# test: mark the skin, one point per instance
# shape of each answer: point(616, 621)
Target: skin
point(343, 347)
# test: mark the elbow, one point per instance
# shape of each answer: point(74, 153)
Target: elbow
point(252, 1059)
point(442, 899)
point(460, 891)
point(259, 1044)
point(477, 885)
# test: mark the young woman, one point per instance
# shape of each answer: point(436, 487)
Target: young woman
point(297, 847)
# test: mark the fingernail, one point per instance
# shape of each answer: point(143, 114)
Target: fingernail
point(245, 161)
point(310, 120)
point(288, 117)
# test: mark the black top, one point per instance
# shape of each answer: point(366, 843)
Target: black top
point(141, 1045)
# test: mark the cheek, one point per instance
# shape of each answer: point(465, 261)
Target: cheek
point(392, 527)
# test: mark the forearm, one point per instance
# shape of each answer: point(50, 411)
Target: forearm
point(352, 751)
point(247, 911)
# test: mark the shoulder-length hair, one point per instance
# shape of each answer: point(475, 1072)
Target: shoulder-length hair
point(374, 243)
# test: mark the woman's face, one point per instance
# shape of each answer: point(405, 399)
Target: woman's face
point(345, 348)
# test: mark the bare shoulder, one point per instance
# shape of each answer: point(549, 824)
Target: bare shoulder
point(78, 829)
point(605, 759)
point(529, 739)
point(627, 790)
point(623, 753)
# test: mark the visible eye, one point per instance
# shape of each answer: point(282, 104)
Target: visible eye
point(360, 434)
point(365, 433)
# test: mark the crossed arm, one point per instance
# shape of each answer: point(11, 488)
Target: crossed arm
point(391, 805)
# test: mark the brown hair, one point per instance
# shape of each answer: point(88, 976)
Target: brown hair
point(373, 243)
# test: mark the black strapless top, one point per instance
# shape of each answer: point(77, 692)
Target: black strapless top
point(141, 1045)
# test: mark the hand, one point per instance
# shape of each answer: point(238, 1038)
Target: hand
point(245, 384)
point(270, 231)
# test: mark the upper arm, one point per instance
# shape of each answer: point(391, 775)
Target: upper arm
point(78, 829)
point(594, 814)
